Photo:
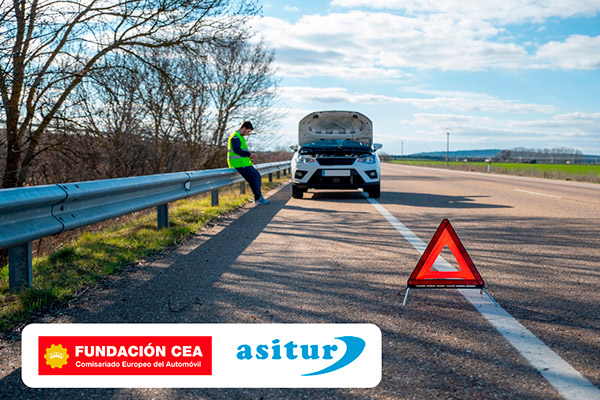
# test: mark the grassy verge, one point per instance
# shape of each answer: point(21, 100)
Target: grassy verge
point(61, 274)
point(583, 173)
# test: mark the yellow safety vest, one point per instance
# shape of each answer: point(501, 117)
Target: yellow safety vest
point(233, 159)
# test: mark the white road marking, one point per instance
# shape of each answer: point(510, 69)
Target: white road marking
point(536, 193)
point(569, 383)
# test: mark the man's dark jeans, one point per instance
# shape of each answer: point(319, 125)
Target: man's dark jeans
point(252, 176)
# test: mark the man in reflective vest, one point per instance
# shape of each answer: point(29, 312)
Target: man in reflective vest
point(240, 158)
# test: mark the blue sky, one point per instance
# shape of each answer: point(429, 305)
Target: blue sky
point(497, 74)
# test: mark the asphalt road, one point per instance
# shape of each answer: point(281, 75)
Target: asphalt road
point(332, 257)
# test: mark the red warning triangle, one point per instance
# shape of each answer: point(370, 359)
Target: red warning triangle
point(467, 274)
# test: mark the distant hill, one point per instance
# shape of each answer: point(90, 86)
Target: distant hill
point(554, 156)
point(462, 154)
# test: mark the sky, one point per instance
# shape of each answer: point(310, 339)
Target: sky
point(494, 74)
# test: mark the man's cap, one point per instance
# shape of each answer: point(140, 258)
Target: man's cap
point(247, 125)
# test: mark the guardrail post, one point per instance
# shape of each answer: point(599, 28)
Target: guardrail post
point(270, 177)
point(214, 197)
point(284, 171)
point(242, 187)
point(278, 174)
point(162, 216)
point(20, 273)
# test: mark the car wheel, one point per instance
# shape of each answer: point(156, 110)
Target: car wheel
point(297, 193)
point(374, 192)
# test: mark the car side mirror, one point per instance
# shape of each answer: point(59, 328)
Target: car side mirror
point(294, 147)
point(377, 146)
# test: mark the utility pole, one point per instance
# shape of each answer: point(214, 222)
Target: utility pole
point(447, 147)
point(401, 148)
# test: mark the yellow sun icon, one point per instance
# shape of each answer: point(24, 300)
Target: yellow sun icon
point(56, 356)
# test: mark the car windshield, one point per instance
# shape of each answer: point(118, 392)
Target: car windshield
point(332, 144)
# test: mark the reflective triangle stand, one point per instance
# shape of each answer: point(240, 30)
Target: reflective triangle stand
point(482, 289)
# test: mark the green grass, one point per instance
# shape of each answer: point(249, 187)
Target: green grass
point(584, 173)
point(60, 275)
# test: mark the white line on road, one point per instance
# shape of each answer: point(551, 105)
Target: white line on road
point(569, 383)
point(538, 194)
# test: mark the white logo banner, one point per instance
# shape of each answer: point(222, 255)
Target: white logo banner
point(202, 355)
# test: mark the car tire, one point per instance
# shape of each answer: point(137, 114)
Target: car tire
point(297, 193)
point(374, 192)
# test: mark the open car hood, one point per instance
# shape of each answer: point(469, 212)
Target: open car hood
point(335, 125)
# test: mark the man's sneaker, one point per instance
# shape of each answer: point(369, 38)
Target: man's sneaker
point(261, 200)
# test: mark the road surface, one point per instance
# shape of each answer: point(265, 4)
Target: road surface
point(333, 257)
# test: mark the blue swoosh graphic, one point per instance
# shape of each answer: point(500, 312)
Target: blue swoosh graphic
point(354, 348)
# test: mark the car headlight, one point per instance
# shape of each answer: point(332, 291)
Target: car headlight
point(366, 159)
point(302, 159)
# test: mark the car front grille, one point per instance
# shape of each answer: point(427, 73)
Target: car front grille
point(336, 160)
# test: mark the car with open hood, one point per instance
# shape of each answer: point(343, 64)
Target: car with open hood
point(335, 150)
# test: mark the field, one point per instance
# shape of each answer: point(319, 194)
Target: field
point(583, 173)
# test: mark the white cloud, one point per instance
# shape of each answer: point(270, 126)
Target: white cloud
point(456, 101)
point(395, 44)
point(455, 121)
point(505, 11)
point(294, 70)
point(576, 52)
point(378, 45)
point(566, 124)
point(473, 131)
point(586, 124)
point(332, 45)
point(291, 9)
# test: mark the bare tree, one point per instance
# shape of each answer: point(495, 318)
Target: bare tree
point(158, 105)
point(191, 102)
point(48, 46)
point(211, 88)
point(109, 111)
point(241, 86)
point(171, 109)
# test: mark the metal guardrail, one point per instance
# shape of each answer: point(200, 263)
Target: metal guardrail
point(34, 212)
